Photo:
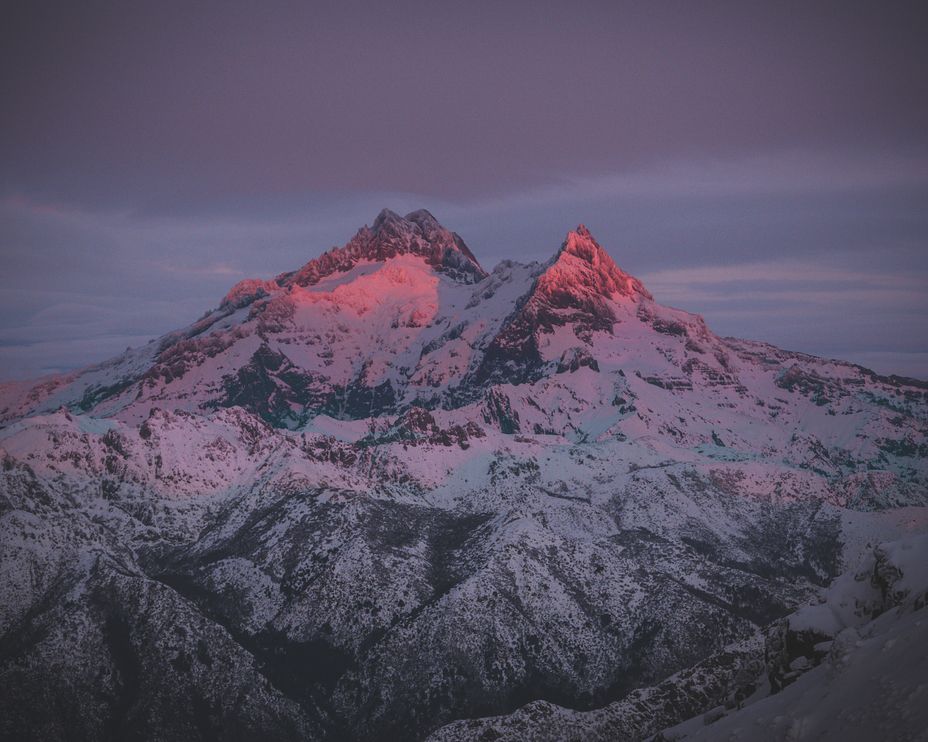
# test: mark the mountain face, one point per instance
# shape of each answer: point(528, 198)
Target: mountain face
point(388, 491)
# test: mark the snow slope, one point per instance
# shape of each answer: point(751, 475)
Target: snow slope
point(863, 678)
point(871, 677)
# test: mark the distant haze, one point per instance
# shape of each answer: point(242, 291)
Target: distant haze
point(766, 166)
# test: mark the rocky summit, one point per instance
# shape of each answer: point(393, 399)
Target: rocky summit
point(390, 495)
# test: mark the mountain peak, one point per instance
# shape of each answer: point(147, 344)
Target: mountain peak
point(422, 218)
point(575, 289)
point(388, 221)
point(582, 264)
point(418, 233)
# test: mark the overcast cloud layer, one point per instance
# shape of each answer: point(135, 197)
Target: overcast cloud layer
point(765, 167)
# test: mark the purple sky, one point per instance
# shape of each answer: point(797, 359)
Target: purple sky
point(766, 166)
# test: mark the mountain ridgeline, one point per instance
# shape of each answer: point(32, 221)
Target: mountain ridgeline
point(389, 492)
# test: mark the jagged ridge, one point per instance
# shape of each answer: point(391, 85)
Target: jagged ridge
point(418, 233)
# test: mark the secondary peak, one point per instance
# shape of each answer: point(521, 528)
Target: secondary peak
point(581, 261)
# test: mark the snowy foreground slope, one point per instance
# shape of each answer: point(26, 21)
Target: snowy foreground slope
point(853, 667)
point(871, 678)
point(389, 491)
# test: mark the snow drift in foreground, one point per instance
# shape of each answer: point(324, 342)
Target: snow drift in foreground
point(866, 678)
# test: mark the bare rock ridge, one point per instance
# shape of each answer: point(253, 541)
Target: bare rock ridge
point(418, 233)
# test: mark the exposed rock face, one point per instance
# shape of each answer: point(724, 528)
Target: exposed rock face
point(387, 492)
point(573, 359)
point(247, 292)
point(417, 234)
point(271, 386)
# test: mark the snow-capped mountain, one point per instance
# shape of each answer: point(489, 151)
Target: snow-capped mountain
point(389, 490)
